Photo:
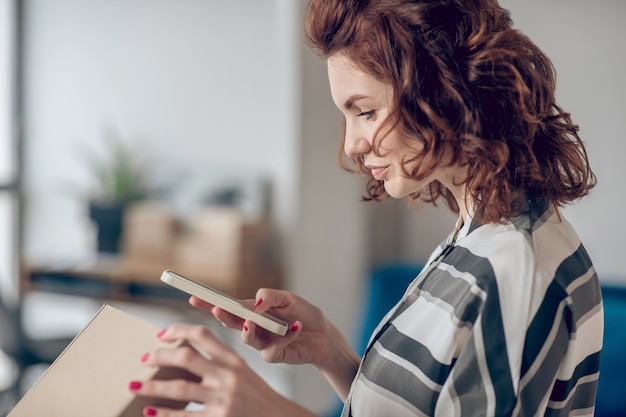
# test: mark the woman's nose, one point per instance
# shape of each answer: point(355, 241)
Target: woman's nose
point(355, 143)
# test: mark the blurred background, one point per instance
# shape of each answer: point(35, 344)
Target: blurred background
point(204, 132)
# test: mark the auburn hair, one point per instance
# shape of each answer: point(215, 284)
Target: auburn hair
point(472, 89)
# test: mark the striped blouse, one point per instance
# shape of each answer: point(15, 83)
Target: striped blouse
point(509, 322)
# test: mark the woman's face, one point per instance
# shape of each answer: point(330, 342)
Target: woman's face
point(366, 103)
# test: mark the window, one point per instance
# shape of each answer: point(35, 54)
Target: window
point(9, 158)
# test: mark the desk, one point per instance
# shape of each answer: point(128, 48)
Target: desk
point(128, 279)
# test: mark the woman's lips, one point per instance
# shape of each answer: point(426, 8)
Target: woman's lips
point(378, 172)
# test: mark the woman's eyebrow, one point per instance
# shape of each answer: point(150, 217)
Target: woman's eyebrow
point(350, 101)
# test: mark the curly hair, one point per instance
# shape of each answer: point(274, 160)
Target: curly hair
point(472, 89)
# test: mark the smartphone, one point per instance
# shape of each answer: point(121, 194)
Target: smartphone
point(225, 302)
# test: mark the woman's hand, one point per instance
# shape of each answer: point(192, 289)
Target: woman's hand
point(226, 385)
point(307, 339)
point(312, 339)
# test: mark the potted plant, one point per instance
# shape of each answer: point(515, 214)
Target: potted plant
point(119, 181)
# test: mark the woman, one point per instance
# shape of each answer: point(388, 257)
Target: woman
point(442, 100)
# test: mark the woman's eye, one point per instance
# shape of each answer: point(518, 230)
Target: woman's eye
point(367, 114)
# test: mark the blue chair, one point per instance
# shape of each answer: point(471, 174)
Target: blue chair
point(386, 286)
point(611, 397)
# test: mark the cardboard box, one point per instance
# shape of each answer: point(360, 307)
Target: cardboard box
point(91, 376)
point(150, 230)
point(224, 245)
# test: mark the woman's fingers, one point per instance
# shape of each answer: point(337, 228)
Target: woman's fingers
point(173, 389)
point(205, 340)
point(267, 298)
point(180, 391)
point(250, 337)
point(200, 303)
point(227, 319)
point(200, 367)
point(272, 347)
point(203, 305)
point(212, 364)
point(221, 380)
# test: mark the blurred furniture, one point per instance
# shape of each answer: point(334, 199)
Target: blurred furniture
point(611, 388)
point(118, 277)
point(386, 286)
point(218, 246)
point(26, 354)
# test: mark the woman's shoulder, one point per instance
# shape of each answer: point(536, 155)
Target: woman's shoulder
point(528, 253)
point(540, 232)
point(497, 242)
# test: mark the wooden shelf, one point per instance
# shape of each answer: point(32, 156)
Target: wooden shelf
point(124, 278)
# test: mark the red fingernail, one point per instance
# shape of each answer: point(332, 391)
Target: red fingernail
point(149, 411)
point(245, 328)
point(144, 357)
point(258, 302)
point(294, 327)
point(134, 385)
point(161, 333)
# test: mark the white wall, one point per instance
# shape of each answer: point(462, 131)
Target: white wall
point(195, 81)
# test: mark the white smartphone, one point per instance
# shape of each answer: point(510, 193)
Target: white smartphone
point(225, 302)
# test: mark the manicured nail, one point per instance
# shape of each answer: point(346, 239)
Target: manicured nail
point(258, 302)
point(294, 327)
point(144, 357)
point(245, 328)
point(161, 333)
point(213, 310)
point(149, 411)
point(134, 385)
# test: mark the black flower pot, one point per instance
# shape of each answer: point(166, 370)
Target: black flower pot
point(109, 220)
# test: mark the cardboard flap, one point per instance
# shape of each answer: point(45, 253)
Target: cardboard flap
point(91, 376)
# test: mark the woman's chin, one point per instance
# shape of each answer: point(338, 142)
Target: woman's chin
point(401, 188)
point(395, 192)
